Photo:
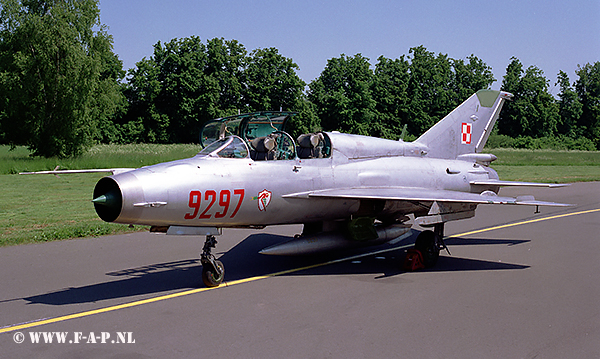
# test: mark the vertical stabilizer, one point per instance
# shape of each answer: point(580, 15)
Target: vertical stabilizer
point(467, 128)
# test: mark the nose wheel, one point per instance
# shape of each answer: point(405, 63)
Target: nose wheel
point(213, 271)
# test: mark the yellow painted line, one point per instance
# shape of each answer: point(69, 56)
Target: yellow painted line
point(100, 310)
point(37, 323)
point(524, 222)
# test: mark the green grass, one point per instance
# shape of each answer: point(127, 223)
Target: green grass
point(546, 165)
point(522, 157)
point(45, 208)
point(40, 208)
point(100, 156)
point(549, 174)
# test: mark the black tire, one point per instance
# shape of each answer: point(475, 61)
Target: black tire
point(212, 279)
point(427, 244)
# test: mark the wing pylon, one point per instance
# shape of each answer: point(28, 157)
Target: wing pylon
point(516, 184)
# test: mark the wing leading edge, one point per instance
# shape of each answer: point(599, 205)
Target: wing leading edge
point(57, 172)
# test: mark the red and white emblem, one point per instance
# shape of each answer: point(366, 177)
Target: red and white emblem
point(466, 133)
point(264, 198)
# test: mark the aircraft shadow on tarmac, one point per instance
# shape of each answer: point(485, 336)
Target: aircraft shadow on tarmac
point(244, 261)
point(249, 263)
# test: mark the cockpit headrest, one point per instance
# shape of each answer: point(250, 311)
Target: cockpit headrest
point(310, 140)
point(264, 143)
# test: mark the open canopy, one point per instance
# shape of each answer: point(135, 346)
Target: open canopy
point(248, 126)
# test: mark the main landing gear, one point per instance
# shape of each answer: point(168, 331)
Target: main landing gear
point(213, 270)
point(427, 249)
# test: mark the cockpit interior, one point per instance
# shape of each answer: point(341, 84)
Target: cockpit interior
point(260, 136)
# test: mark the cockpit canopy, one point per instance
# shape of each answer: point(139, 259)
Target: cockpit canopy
point(261, 136)
point(248, 126)
point(275, 146)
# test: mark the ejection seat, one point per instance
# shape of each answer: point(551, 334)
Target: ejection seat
point(310, 145)
point(263, 148)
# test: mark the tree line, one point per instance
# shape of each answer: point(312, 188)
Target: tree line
point(63, 89)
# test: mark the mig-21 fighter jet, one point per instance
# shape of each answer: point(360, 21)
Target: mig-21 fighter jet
point(345, 189)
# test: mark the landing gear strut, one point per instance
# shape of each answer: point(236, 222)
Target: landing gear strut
point(213, 270)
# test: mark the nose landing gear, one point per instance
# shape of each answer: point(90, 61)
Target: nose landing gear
point(213, 271)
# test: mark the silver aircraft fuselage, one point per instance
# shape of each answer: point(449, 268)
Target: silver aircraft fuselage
point(212, 191)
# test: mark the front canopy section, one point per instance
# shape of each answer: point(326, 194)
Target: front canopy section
point(228, 147)
point(248, 126)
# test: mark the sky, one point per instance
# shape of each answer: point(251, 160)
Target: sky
point(551, 35)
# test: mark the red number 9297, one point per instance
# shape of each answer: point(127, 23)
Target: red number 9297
point(224, 197)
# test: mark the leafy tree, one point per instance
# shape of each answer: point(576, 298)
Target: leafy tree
point(183, 85)
point(142, 122)
point(533, 111)
point(416, 91)
point(226, 63)
point(186, 83)
point(470, 77)
point(58, 76)
point(108, 99)
point(421, 90)
point(514, 71)
point(271, 81)
point(570, 108)
point(199, 83)
point(588, 89)
point(507, 124)
point(390, 92)
point(429, 96)
point(342, 95)
point(544, 112)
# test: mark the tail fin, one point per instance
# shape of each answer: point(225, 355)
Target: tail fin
point(467, 128)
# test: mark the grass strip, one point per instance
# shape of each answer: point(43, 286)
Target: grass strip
point(45, 208)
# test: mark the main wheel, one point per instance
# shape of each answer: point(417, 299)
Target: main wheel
point(427, 244)
point(213, 278)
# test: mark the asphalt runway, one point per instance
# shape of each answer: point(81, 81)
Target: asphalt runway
point(517, 285)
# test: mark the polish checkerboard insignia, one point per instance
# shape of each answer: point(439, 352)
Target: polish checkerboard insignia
point(466, 133)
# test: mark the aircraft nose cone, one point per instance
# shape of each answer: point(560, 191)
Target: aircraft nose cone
point(108, 199)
